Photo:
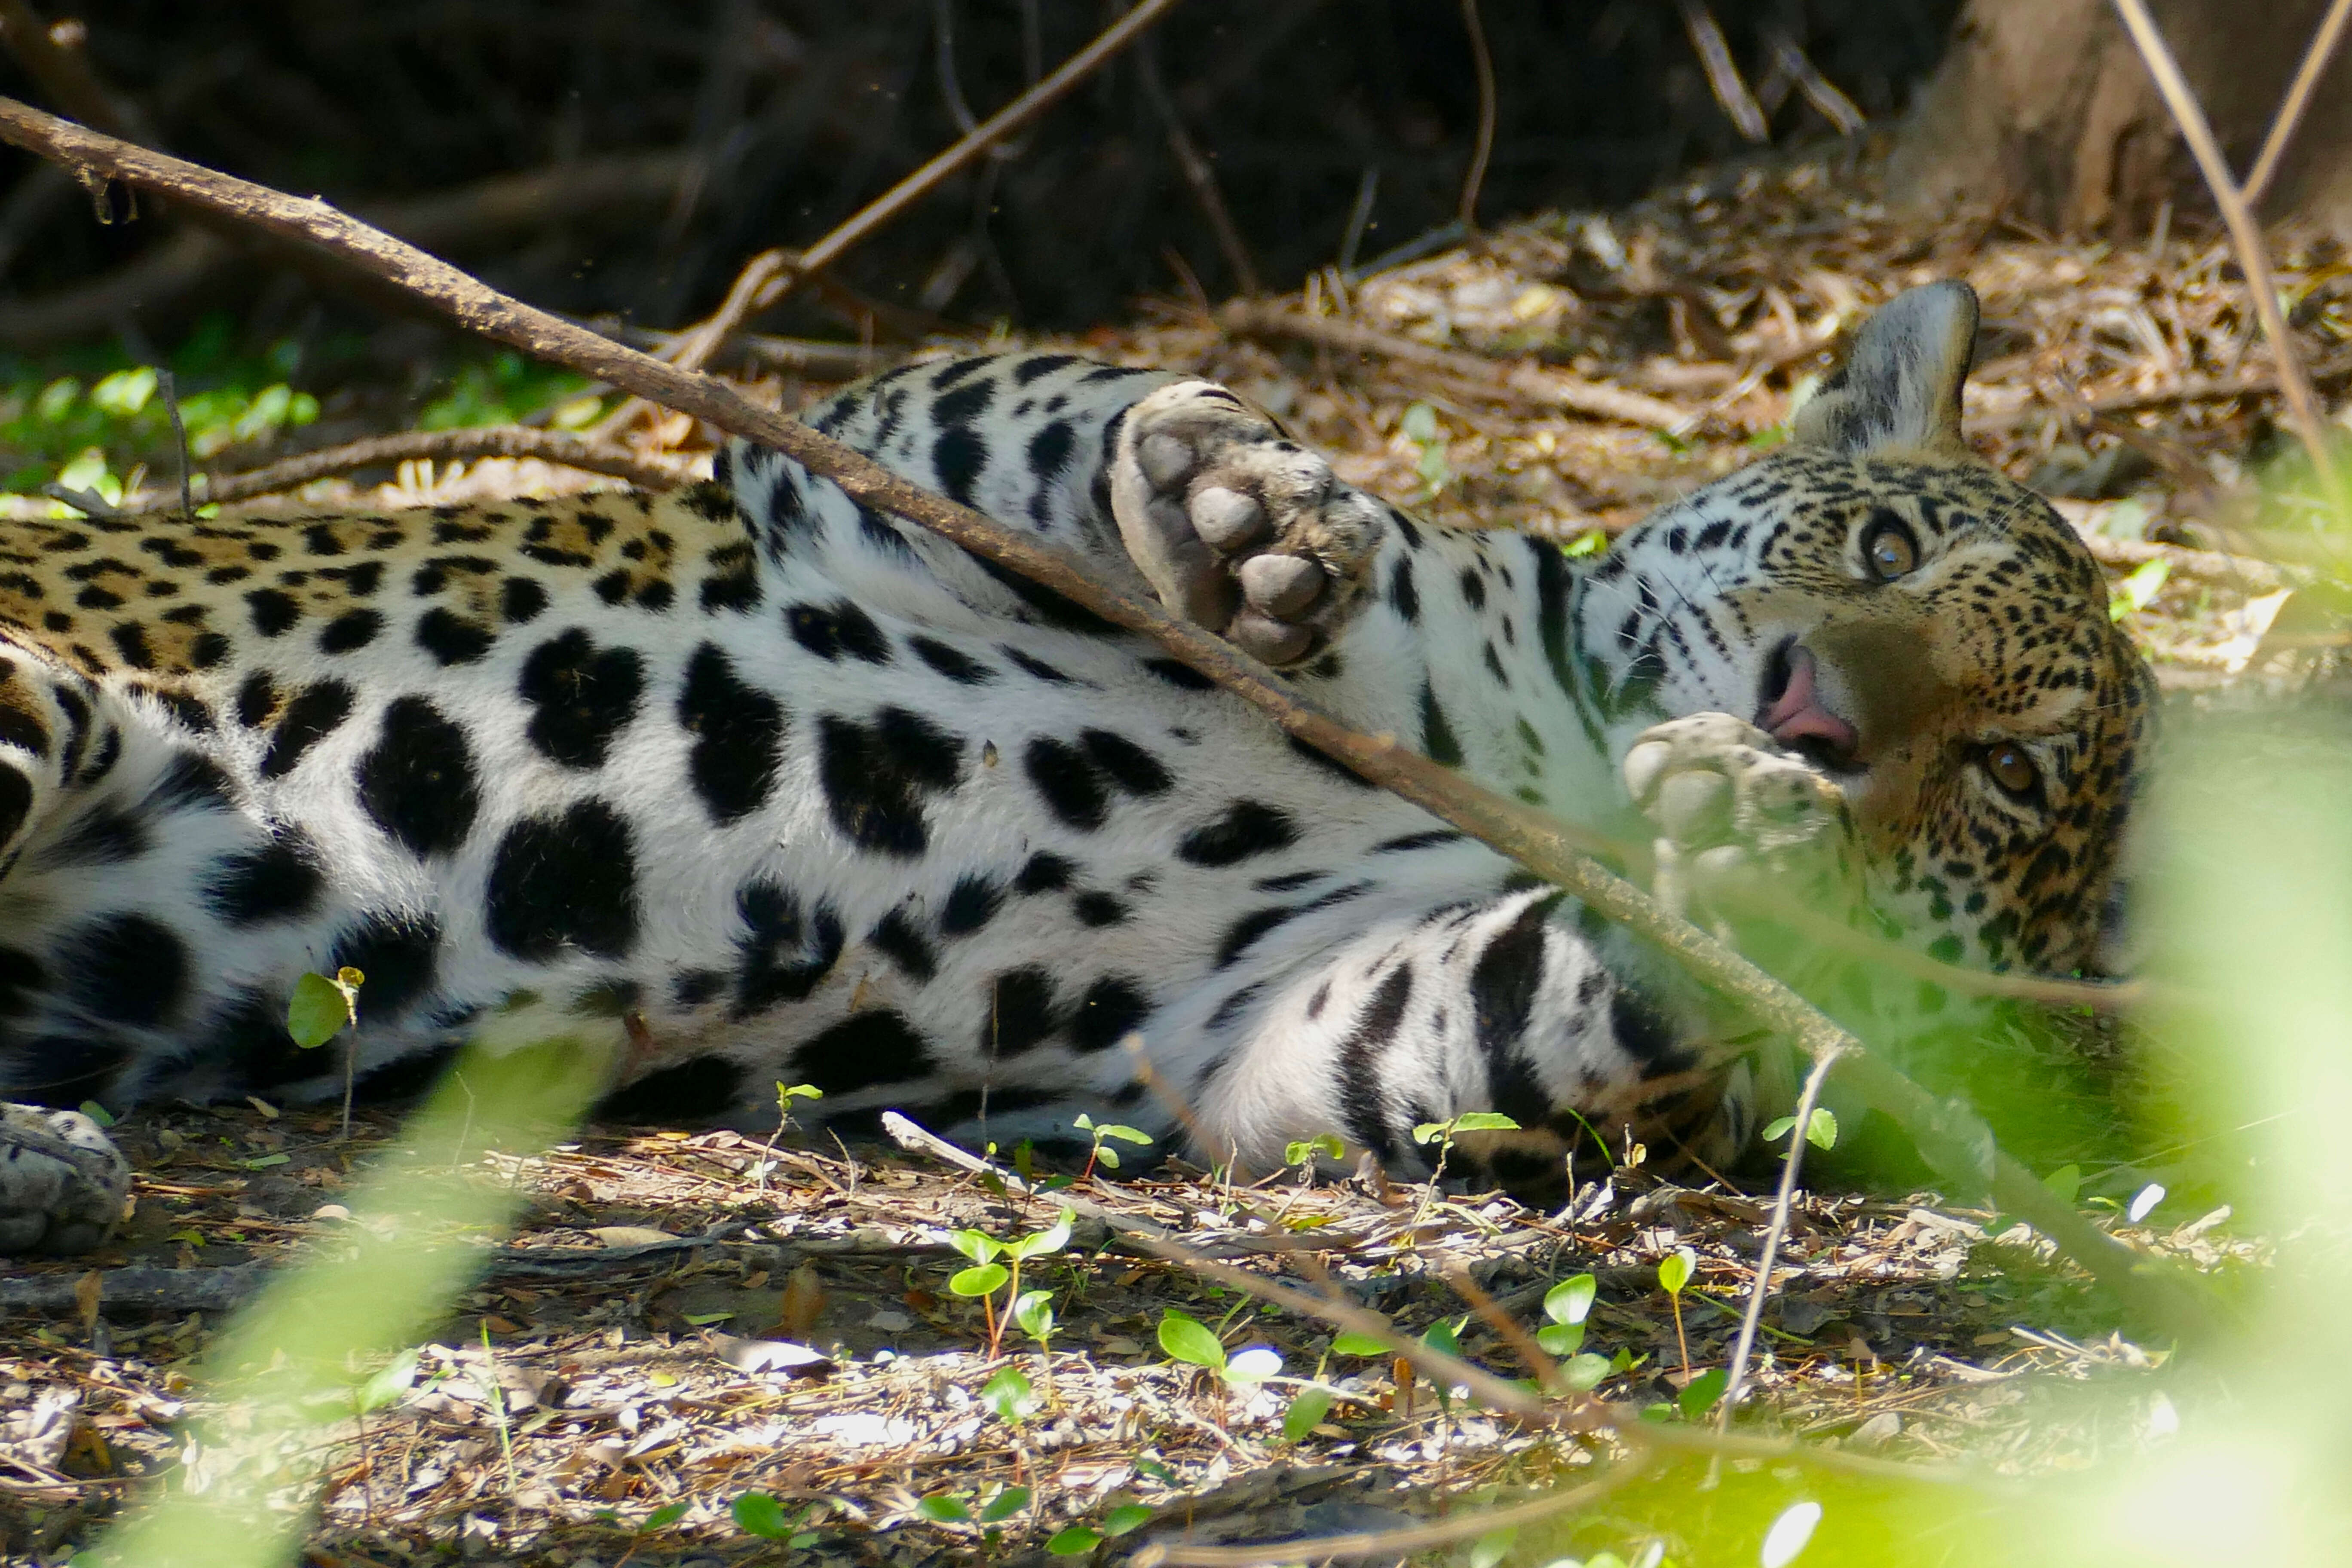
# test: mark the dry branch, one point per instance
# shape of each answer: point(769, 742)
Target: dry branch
point(2245, 238)
point(196, 256)
point(1526, 381)
point(650, 471)
point(1952, 1140)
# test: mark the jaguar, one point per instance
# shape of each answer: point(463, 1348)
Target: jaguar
point(745, 785)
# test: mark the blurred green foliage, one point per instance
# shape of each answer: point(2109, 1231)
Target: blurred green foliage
point(92, 418)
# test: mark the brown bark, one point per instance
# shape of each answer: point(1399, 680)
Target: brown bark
point(2043, 109)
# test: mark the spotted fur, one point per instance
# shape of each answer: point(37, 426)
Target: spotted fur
point(745, 782)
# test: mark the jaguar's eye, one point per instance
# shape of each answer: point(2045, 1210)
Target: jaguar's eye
point(2010, 768)
point(1888, 547)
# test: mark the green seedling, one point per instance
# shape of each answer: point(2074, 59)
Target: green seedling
point(1187, 1338)
point(1821, 1128)
point(322, 1007)
point(1674, 1271)
point(1305, 1152)
point(1079, 1539)
point(1566, 1305)
point(1100, 1152)
point(786, 1096)
point(757, 1513)
point(987, 1276)
point(1421, 427)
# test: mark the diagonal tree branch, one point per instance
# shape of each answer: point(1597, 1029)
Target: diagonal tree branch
point(1954, 1141)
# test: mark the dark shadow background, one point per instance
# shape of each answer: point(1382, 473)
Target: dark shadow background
point(796, 111)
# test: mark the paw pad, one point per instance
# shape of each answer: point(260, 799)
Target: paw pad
point(1236, 528)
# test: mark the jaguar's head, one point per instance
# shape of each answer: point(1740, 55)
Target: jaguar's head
point(1932, 635)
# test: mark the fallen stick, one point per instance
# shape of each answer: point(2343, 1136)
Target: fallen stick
point(1522, 382)
point(652, 473)
point(1954, 1141)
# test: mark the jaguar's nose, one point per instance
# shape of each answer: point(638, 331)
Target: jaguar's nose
point(1791, 709)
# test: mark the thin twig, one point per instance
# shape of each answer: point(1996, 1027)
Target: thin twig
point(1551, 388)
point(2298, 98)
point(2245, 240)
point(1950, 1139)
point(1482, 59)
point(168, 384)
point(56, 58)
point(1506, 1327)
point(445, 446)
point(1753, 1318)
point(878, 212)
point(1198, 174)
point(1723, 78)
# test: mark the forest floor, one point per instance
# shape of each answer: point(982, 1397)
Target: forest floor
point(681, 1320)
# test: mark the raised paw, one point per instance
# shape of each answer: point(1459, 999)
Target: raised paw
point(1235, 527)
point(1729, 803)
point(62, 1181)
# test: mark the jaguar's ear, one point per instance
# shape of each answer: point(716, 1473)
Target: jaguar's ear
point(1899, 388)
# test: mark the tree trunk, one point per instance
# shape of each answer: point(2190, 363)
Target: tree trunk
point(2043, 109)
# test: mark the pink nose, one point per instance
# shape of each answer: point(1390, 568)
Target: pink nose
point(1799, 715)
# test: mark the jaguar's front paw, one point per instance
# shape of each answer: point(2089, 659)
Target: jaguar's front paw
point(1735, 813)
point(62, 1181)
point(1237, 527)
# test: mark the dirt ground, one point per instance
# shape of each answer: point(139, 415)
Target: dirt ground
point(680, 1319)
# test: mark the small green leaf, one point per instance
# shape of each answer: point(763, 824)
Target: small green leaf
point(1324, 1144)
point(1483, 1122)
point(1050, 1240)
point(126, 392)
point(662, 1518)
point(1187, 1338)
point(704, 1320)
point(757, 1513)
point(1353, 1344)
point(1010, 1397)
point(944, 1508)
point(980, 1281)
point(1075, 1541)
point(1084, 1122)
point(1134, 1516)
point(1676, 1268)
point(1699, 1395)
point(317, 1012)
point(97, 1112)
point(1443, 1337)
point(1492, 1548)
point(388, 1384)
point(263, 1162)
point(1106, 1156)
point(1004, 1505)
point(1570, 1300)
point(1821, 1128)
point(1778, 1128)
point(1584, 1373)
point(1419, 424)
point(1034, 1312)
point(2067, 1182)
point(1135, 1135)
point(1561, 1339)
point(1591, 542)
point(976, 1245)
point(785, 1094)
point(1306, 1413)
